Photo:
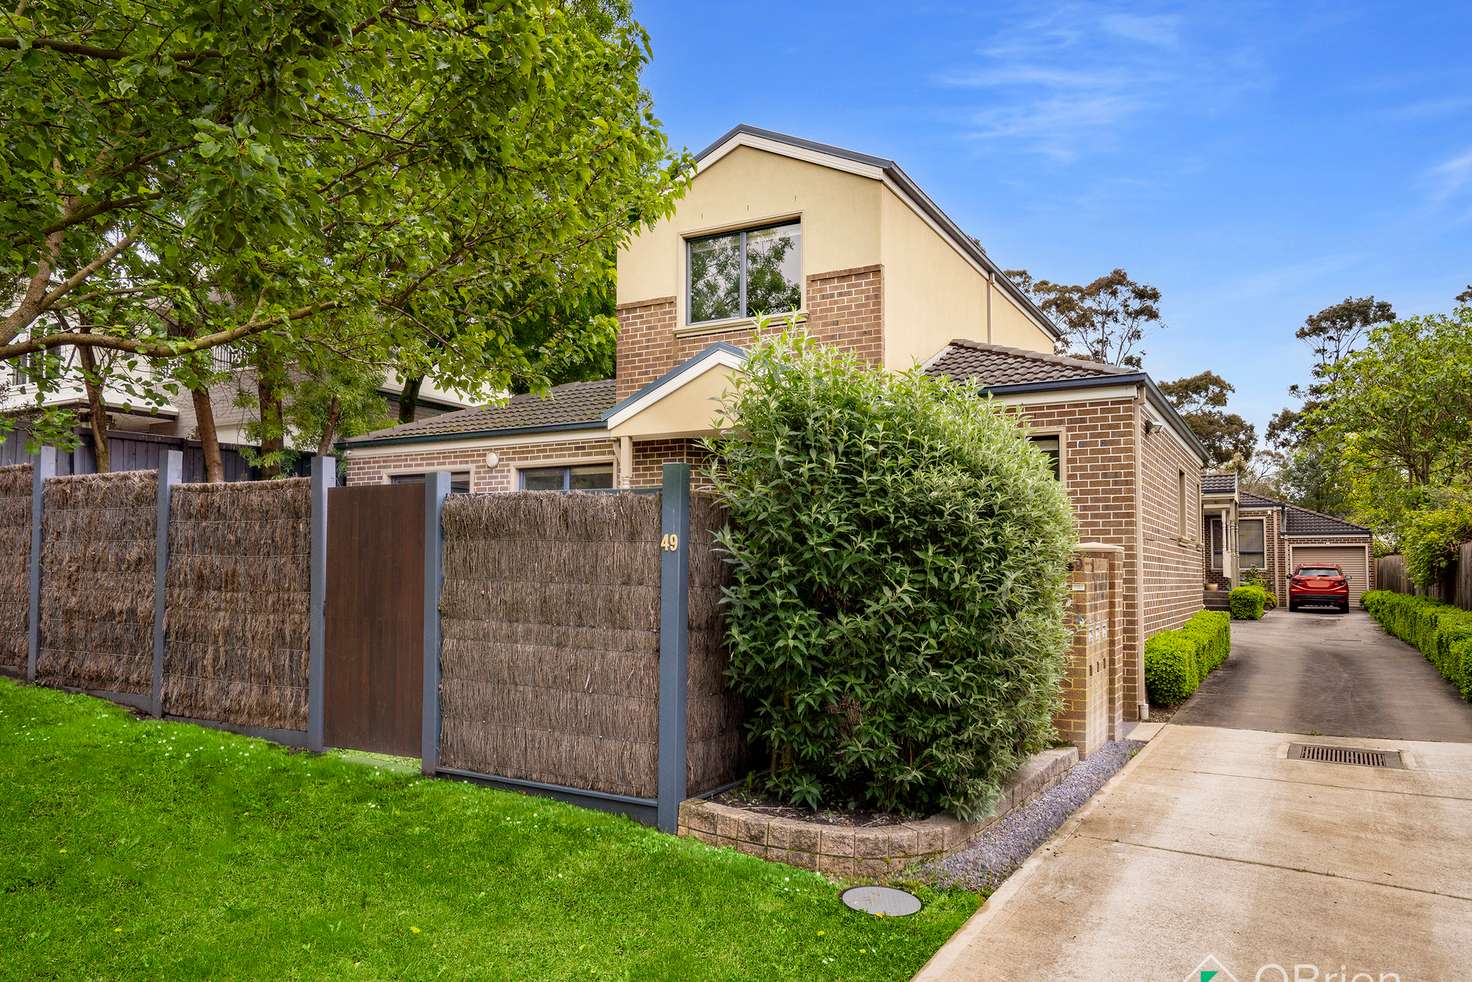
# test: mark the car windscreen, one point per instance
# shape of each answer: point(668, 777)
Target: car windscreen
point(1319, 571)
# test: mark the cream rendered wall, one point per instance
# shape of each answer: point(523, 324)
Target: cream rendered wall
point(839, 213)
point(933, 294)
point(694, 409)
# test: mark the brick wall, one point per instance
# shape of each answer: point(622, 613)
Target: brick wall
point(369, 467)
point(845, 308)
point(1098, 454)
point(1170, 537)
point(1092, 708)
point(650, 456)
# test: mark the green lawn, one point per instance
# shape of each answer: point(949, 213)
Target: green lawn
point(142, 849)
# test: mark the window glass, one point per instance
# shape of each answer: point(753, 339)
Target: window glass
point(596, 478)
point(544, 479)
point(1050, 447)
point(1319, 571)
point(459, 481)
point(773, 276)
point(715, 277)
point(1249, 544)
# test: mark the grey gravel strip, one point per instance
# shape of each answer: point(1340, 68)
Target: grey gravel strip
point(1001, 849)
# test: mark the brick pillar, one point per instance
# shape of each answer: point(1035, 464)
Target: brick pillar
point(1093, 683)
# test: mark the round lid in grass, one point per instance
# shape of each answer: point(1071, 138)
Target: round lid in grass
point(884, 901)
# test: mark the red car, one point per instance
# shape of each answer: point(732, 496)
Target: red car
point(1318, 584)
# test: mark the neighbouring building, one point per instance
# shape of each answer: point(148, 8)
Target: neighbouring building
point(1246, 531)
point(851, 247)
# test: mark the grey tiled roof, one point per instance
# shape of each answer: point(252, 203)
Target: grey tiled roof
point(564, 405)
point(995, 364)
point(1218, 483)
point(1301, 521)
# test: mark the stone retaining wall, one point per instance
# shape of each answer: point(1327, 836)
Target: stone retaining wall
point(872, 852)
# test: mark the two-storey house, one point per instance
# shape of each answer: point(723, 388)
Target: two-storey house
point(865, 260)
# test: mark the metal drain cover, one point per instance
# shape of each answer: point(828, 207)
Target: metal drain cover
point(1359, 756)
point(884, 901)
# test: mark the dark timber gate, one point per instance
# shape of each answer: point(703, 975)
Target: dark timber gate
point(374, 665)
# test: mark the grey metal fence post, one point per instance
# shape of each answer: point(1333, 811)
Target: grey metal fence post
point(674, 641)
point(436, 489)
point(170, 472)
point(324, 476)
point(42, 467)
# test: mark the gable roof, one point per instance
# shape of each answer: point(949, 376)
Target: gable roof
point(575, 405)
point(883, 169)
point(720, 353)
point(998, 370)
point(1219, 483)
point(1302, 521)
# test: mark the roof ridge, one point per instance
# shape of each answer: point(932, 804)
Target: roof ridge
point(1103, 368)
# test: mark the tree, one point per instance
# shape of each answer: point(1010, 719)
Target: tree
point(177, 177)
point(1397, 414)
point(1105, 320)
point(1202, 401)
point(1334, 332)
point(1466, 295)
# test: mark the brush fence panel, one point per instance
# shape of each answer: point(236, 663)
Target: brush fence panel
point(98, 535)
point(237, 618)
point(15, 563)
point(550, 652)
point(715, 749)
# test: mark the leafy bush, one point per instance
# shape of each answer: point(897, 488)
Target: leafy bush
point(1441, 632)
point(1177, 661)
point(1247, 603)
point(900, 561)
point(1255, 576)
point(1430, 538)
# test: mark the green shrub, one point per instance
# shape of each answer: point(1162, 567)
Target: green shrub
point(1177, 661)
point(900, 559)
point(1247, 603)
point(1430, 538)
point(1441, 632)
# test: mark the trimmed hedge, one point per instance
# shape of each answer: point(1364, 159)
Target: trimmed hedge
point(1247, 603)
point(1176, 662)
point(1441, 632)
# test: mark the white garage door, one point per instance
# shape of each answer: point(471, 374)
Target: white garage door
point(1351, 559)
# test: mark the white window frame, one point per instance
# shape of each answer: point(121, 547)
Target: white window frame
point(1061, 435)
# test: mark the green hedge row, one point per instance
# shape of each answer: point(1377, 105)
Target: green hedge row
point(1247, 603)
point(1441, 632)
point(1177, 661)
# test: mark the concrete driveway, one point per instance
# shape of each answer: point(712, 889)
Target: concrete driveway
point(1338, 674)
point(1212, 843)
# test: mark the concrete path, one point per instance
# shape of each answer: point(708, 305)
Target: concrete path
point(1212, 843)
point(1328, 673)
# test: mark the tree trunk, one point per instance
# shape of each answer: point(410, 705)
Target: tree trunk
point(209, 437)
point(329, 427)
point(409, 399)
point(273, 428)
point(96, 412)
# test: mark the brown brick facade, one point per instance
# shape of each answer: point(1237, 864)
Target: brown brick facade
point(650, 456)
point(1092, 711)
point(1170, 531)
point(845, 308)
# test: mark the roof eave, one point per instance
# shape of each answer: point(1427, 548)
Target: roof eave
point(357, 442)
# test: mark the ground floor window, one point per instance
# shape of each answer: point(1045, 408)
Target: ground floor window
point(1052, 448)
point(1250, 552)
point(587, 477)
point(459, 481)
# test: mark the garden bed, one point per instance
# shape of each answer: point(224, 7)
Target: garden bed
point(865, 845)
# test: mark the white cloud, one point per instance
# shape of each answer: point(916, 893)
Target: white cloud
point(1069, 79)
point(1450, 177)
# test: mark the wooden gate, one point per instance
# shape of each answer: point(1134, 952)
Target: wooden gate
point(373, 672)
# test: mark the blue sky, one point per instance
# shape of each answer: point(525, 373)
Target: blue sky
point(1256, 162)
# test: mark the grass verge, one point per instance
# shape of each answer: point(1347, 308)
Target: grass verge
point(142, 849)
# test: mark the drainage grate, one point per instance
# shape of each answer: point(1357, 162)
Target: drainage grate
point(1361, 756)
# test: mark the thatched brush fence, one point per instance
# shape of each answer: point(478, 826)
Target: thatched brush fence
point(237, 601)
point(97, 552)
point(715, 748)
point(549, 664)
point(15, 564)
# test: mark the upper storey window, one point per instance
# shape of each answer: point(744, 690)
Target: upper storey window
point(747, 273)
